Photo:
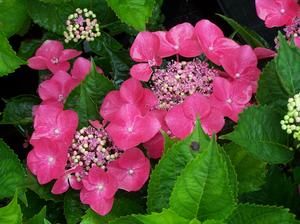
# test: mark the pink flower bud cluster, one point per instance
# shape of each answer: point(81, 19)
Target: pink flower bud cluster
point(82, 25)
point(91, 147)
point(181, 79)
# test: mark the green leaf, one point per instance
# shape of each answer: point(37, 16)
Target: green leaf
point(13, 16)
point(279, 190)
point(135, 13)
point(87, 97)
point(212, 221)
point(288, 67)
point(11, 214)
point(125, 220)
point(38, 218)
point(28, 48)
point(50, 16)
point(173, 161)
point(270, 89)
point(9, 62)
point(18, 110)
point(12, 173)
point(194, 221)
point(250, 171)
point(55, 1)
point(258, 214)
point(250, 37)
point(73, 208)
point(204, 190)
point(122, 206)
point(167, 216)
point(254, 134)
point(43, 191)
point(98, 45)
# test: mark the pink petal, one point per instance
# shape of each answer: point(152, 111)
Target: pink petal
point(81, 68)
point(145, 47)
point(196, 105)
point(74, 183)
point(297, 41)
point(111, 105)
point(165, 48)
point(130, 128)
point(221, 88)
point(50, 49)
point(214, 122)
point(67, 122)
point(100, 205)
point(141, 71)
point(148, 102)
point(178, 123)
point(132, 91)
point(37, 62)
point(183, 40)
point(207, 32)
point(131, 175)
point(155, 146)
point(221, 46)
point(262, 53)
point(69, 54)
point(265, 7)
point(60, 186)
point(61, 66)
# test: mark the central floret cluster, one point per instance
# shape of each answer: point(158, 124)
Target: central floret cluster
point(82, 25)
point(181, 79)
point(92, 147)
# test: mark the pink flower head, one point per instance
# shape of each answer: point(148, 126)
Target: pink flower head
point(54, 123)
point(212, 40)
point(130, 128)
point(181, 118)
point(99, 188)
point(131, 169)
point(145, 50)
point(230, 97)
point(277, 13)
point(47, 160)
point(241, 64)
point(57, 88)
point(51, 55)
point(82, 68)
point(179, 40)
point(131, 92)
point(67, 179)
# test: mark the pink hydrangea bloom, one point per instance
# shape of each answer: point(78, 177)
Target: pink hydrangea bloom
point(51, 55)
point(181, 118)
point(231, 97)
point(63, 183)
point(99, 188)
point(241, 64)
point(179, 40)
point(82, 68)
point(57, 88)
point(54, 123)
point(131, 170)
point(47, 160)
point(212, 40)
point(130, 128)
point(277, 13)
point(144, 50)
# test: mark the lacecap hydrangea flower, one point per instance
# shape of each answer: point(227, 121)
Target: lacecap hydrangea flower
point(88, 159)
point(82, 25)
point(186, 87)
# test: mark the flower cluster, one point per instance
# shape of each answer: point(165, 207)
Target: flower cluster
point(82, 25)
point(88, 159)
point(277, 13)
point(194, 88)
point(291, 120)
